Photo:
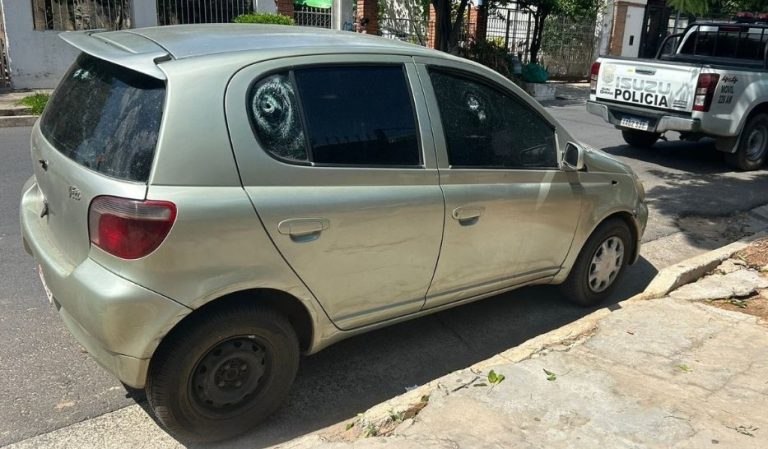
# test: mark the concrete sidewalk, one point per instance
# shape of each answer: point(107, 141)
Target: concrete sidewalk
point(661, 373)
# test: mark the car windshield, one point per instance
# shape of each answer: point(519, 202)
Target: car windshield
point(106, 118)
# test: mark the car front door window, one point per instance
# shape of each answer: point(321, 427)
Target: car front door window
point(487, 128)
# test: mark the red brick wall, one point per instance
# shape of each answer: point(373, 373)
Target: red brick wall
point(619, 23)
point(431, 27)
point(285, 7)
point(475, 19)
point(368, 9)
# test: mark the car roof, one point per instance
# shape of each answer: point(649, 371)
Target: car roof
point(142, 49)
point(187, 41)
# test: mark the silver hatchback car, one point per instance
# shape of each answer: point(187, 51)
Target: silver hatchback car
point(209, 202)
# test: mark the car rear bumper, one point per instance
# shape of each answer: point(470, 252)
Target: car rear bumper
point(117, 321)
point(659, 122)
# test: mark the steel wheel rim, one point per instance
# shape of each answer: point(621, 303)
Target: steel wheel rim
point(228, 377)
point(606, 264)
point(756, 142)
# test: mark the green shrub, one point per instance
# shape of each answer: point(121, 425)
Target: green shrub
point(535, 73)
point(35, 102)
point(491, 53)
point(261, 17)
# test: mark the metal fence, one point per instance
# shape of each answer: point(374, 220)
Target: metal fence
point(567, 50)
point(180, 12)
point(512, 27)
point(71, 15)
point(568, 47)
point(312, 17)
point(406, 30)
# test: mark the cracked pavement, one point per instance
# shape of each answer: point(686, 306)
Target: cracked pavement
point(655, 374)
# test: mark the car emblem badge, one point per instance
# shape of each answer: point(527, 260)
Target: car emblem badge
point(74, 193)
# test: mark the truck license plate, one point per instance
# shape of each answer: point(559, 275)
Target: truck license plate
point(634, 123)
point(45, 285)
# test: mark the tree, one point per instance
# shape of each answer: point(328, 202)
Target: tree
point(449, 18)
point(541, 9)
point(697, 7)
point(448, 23)
point(690, 6)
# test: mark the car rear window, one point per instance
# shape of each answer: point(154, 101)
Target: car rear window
point(106, 117)
point(731, 41)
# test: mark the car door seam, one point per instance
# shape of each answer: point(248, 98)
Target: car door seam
point(439, 181)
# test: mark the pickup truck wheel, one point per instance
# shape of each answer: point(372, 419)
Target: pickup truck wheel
point(753, 145)
point(639, 139)
point(224, 372)
point(600, 264)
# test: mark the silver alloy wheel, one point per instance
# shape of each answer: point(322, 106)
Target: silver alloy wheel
point(606, 264)
point(756, 142)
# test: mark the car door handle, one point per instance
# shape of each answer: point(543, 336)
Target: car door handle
point(468, 215)
point(303, 229)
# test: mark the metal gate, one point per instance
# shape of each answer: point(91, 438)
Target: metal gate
point(180, 12)
point(5, 71)
point(309, 16)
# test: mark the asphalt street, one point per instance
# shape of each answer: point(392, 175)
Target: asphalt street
point(47, 381)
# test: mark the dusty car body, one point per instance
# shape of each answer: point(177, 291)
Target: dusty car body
point(183, 222)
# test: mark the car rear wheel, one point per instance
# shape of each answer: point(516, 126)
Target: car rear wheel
point(639, 139)
point(223, 372)
point(753, 145)
point(600, 264)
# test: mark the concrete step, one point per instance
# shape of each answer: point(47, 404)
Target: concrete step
point(10, 111)
point(11, 121)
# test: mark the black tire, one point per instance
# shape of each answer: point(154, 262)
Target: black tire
point(576, 287)
point(753, 145)
point(189, 384)
point(639, 139)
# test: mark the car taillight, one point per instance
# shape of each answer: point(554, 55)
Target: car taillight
point(593, 77)
point(705, 90)
point(127, 228)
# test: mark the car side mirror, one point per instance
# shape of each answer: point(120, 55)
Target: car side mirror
point(573, 158)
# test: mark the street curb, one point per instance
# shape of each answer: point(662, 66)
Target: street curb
point(562, 338)
point(11, 121)
point(675, 276)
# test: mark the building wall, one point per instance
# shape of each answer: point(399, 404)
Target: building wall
point(633, 29)
point(625, 23)
point(37, 59)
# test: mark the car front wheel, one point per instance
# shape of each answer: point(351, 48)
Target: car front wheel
point(223, 372)
point(600, 264)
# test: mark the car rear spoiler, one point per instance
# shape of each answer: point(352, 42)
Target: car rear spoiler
point(122, 48)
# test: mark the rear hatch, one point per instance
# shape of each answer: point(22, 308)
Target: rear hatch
point(651, 84)
point(97, 137)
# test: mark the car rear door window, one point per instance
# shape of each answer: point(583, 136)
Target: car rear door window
point(276, 117)
point(488, 128)
point(106, 117)
point(359, 115)
point(337, 115)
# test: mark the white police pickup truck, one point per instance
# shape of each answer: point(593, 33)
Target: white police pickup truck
point(711, 80)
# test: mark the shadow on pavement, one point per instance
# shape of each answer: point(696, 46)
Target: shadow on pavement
point(356, 374)
point(691, 179)
point(695, 157)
